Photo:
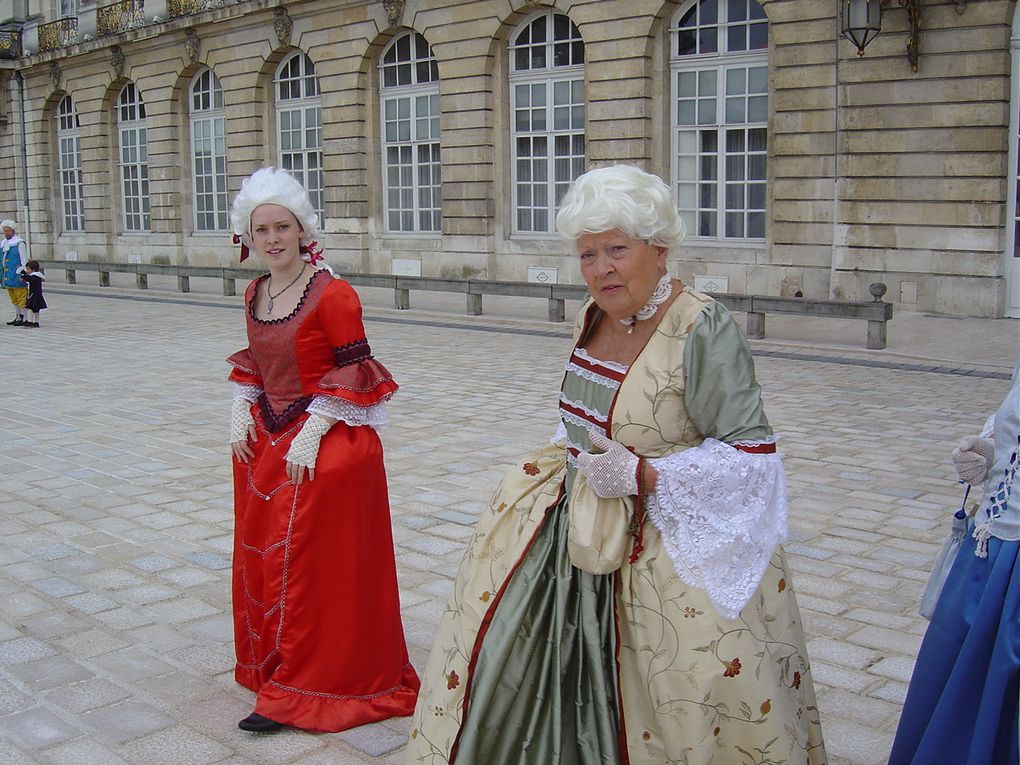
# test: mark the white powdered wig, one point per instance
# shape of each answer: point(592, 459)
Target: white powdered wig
point(274, 187)
point(624, 198)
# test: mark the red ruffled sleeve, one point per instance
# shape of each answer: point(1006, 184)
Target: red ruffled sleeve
point(245, 371)
point(356, 376)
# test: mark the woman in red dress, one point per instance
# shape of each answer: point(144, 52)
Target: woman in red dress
point(317, 630)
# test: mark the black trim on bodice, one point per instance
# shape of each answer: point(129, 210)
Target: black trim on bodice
point(276, 422)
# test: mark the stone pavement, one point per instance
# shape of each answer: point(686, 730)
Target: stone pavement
point(115, 508)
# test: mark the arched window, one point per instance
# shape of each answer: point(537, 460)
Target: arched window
point(299, 124)
point(134, 159)
point(69, 166)
point(547, 129)
point(719, 70)
point(208, 152)
point(409, 100)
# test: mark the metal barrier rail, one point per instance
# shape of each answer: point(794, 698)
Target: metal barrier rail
point(877, 313)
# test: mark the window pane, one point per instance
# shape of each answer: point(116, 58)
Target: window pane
point(687, 42)
point(709, 11)
point(706, 111)
point(759, 37)
point(756, 225)
point(736, 82)
point(708, 40)
point(757, 108)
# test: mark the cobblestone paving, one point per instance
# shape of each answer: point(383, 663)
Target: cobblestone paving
point(115, 518)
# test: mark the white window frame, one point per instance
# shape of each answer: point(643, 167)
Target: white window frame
point(299, 124)
point(554, 91)
point(72, 198)
point(133, 159)
point(1011, 255)
point(409, 116)
point(732, 206)
point(208, 130)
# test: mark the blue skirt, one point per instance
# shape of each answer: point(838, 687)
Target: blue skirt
point(962, 703)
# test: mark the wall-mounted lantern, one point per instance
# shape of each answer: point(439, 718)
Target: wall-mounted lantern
point(860, 21)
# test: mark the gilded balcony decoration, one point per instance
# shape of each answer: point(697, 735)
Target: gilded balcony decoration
point(183, 7)
point(58, 34)
point(119, 17)
point(10, 44)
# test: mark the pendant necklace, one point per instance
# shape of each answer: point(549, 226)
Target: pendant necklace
point(269, 289)
point(659, 296)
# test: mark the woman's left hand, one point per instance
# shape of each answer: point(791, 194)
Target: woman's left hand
point(613, 473)
point(304, 449)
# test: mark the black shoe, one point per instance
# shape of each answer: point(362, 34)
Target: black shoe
point(16, 323)
point(256, 723)
point(30, 324)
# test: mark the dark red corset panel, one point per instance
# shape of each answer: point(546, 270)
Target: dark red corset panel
point(320, 349)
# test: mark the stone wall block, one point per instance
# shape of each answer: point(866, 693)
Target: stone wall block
point(807, 255)
point(801, 233)
point(791, 166)
point(801, 188)
point(800, 144)
point(920, 140)
point(807, 211)
point(803, 99)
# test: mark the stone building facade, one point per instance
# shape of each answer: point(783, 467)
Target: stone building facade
point(437, 135)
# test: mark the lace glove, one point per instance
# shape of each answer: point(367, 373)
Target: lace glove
point(304, 449)
point(240, 419)
point(612, 473)
point(973, 459)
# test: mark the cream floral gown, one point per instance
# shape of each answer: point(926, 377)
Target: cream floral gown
point(692, 651)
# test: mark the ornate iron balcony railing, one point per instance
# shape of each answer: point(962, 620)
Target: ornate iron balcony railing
point(10, 44)
point(176, 8)
point(58, 34)
point(120, 17)
point(183, 7)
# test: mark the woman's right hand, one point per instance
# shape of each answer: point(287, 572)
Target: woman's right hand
point(973, 459)
point(242, 430)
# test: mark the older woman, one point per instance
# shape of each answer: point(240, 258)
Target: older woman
point(624, 599)
point(317, 629)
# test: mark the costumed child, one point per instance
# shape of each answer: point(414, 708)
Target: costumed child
point(13, 255)
point(35, 302)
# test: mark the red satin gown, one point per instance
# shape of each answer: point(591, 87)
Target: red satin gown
point(317, 627)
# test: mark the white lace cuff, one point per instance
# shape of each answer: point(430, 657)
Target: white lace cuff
point(559, 438)
point(721, 513)
point(247, 392)
point(988, 431)
point(338, 409)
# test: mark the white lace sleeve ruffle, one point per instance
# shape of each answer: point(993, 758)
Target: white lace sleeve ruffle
point(336, 408)
point(247, 392)
point(721, 513)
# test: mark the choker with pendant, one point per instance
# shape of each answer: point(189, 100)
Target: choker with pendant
point(660, 295)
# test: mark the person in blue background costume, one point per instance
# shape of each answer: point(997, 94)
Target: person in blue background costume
point(962, 703)
point(14, 255)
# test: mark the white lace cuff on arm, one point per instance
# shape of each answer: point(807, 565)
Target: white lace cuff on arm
point(560, 437)
point(988, 431)
point(247, 392)
point(721, 513)
point(338, 409)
